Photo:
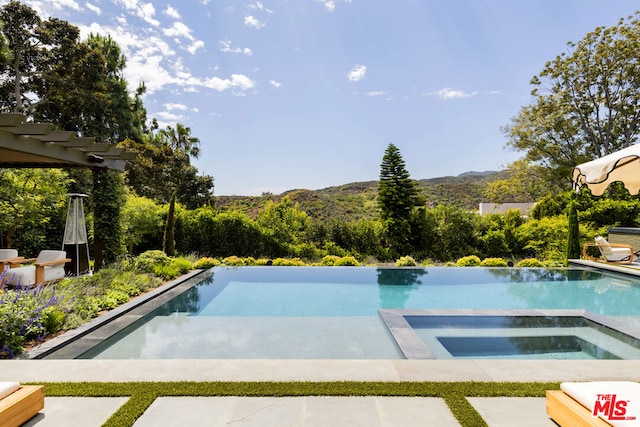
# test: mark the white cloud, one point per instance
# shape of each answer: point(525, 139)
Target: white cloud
point(93, 8)
point(61, 4)
point(225, 46)
point(171, 106)
point(275, 83)
point(168, 116)
point(250, 21)
point(238, 82)
point(178, 29)
point(193, 48)
point(259, 6)
point(330, 5)
point(171, 12)
point(142, 10)
point(357, 73)
point(449, 93)
point(376, 93)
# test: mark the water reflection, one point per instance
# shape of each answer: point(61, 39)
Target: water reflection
point(396, 285)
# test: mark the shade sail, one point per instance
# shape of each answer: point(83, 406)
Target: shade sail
point(622, 166)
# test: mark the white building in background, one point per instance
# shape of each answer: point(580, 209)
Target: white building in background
point(502, 208)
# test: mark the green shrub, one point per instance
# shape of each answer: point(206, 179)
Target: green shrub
point(529, 262)
point(87, 308)
point(167, 272)
point(468, 261)
point(263, 261)
point(329, 260)
point(182, 264)
point(206, 263)
point(347, 261)
point(233, 261)
point(297, 262)
point(493, 262)
point(125, 286)
point(113, 298)
point(147, 261)
point(52, 319)
point(406, 261)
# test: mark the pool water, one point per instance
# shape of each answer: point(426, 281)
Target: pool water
point(332, 312)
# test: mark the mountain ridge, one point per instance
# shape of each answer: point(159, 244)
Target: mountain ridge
point(358, 200)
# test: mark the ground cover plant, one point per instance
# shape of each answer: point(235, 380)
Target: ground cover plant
point(142, 394)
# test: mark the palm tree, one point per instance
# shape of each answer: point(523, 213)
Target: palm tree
point(180, 139)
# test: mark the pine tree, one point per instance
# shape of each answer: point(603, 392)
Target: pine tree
point(398, 195)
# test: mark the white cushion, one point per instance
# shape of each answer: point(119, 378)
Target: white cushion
point(588, 393)
point(6, 388)
point(8, 253)
point(49, 255)
point(26, 276)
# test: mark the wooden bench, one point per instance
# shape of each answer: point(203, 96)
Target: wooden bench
point(567, 412)
point(21, 405)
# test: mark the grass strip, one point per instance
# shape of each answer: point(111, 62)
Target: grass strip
point(142, 394)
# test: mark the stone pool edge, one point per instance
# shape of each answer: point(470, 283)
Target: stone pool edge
point(78, 340)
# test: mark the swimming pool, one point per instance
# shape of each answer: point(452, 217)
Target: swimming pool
point(333, 312)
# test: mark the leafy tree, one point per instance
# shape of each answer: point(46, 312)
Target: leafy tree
point(158, 170)
point(142, 221)
point(284, 221)
point(523, 182)
point(31, 200)
point(586, 103)
point(5, 52)
point(456, 233)
point(21, 26)
point(398, 195)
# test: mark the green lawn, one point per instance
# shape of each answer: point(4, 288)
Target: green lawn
point(142, 394)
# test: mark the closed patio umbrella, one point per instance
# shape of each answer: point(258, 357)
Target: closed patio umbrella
point(598, 174)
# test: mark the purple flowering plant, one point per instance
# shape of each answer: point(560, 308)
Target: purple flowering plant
point(22, 312)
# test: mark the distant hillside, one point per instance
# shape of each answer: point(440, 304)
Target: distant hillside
point(358, 199)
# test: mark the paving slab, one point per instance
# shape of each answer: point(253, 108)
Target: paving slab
point(76, 411)
point(311, 411)
point(513, 411)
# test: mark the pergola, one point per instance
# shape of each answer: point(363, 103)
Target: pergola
point(39, 145)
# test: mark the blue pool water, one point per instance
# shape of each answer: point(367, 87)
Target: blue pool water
point(332, 312)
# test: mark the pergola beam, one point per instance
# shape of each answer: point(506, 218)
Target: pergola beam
point(33, 145)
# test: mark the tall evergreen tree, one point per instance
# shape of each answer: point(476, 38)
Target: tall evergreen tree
point(573, 235)
point(398, 195)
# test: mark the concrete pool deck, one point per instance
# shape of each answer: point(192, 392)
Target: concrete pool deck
point(308, 410)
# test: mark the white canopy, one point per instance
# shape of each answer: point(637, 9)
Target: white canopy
point(623, 166)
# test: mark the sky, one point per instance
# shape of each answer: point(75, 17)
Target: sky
point(291, 94)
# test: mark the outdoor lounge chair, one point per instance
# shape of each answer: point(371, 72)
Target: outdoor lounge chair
point(49, 266)
point(19, 403)
point(614, 403)
point(615, 253)
point(9, 258)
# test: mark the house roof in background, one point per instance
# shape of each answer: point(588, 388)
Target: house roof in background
point(40, 145)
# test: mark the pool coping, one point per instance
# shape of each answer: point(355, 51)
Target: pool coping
point(77, 341)
point(413, 347)
point(279, 370)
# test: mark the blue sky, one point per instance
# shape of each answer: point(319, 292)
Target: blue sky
point(287, 94)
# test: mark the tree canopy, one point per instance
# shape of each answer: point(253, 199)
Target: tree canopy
point(586, 103)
